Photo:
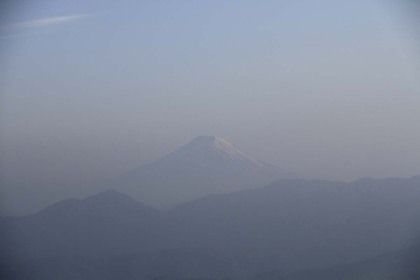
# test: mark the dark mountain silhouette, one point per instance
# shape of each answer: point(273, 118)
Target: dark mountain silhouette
point(106, 204)
point(298, 223)
point(106, 223)
point(287, 226)
point(207, 165)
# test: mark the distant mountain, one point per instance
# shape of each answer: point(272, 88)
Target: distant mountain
point(207, 165)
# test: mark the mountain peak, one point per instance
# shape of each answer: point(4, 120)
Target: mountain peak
point(107, 202)
point(207, 141)
point(110, 195)
point(218, 146)
point(207, 138)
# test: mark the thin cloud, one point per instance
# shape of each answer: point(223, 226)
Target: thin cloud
point(43, 22)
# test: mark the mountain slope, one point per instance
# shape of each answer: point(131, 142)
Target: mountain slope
point(105, 223)
point(302, 224)
point(207, 165)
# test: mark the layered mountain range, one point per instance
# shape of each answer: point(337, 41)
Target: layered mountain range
point(283, 228)
point(231, 218)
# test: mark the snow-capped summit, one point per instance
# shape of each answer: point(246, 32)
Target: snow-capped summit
point(220, 146)
point(206, 165)
point(213, 146)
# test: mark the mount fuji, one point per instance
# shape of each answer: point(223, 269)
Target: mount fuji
point(207, 165)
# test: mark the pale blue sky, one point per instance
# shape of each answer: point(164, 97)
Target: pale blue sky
point(93, 88)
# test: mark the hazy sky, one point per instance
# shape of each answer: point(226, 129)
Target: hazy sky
point(90, 89)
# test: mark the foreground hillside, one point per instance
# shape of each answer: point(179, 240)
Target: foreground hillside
point(202, 265)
